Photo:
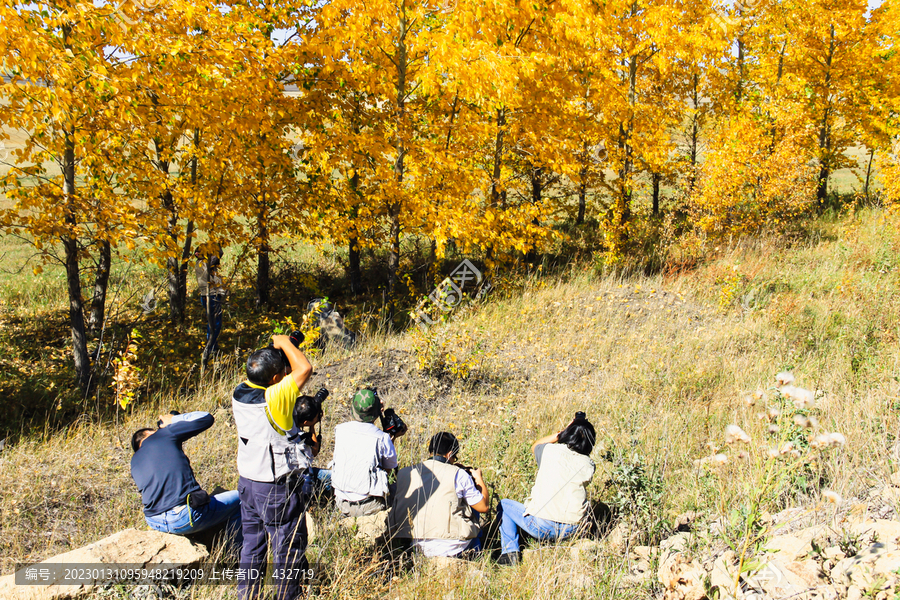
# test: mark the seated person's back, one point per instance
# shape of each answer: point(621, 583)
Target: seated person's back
point(437, 504)
point(363, 454)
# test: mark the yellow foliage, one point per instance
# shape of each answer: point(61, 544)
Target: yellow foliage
point(127, 375)
point(758, 176)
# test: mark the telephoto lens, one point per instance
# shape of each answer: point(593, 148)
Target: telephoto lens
point(319, 398)
point(392, 424)
point(580, 416)
point(296, 338)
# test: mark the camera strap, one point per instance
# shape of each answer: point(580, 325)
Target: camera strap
point(196, 500)
point(274, 425)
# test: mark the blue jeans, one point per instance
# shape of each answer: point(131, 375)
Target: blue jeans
point(512, 517)
point(222, 508)
point(212, 310)
point(273, 514)
point(320, 480)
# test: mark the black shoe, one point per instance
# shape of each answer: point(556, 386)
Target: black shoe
point(509, 559)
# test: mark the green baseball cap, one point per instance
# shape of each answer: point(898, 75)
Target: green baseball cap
point(365, 406)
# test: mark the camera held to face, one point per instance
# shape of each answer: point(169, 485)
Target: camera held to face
point(159, 422)
point(317, 401)
point(391, 423)
point(296, 338)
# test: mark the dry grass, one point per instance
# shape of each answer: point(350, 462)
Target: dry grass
point(658, 363)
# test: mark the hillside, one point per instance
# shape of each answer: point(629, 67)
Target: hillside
point(661, 365)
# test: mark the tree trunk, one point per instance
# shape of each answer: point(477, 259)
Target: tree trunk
point(189, 228)
point(185, 261)
point(173, 264)
point(695, 134)
point(869, 174)
point(496, 197)
point(173, 247)
point(655, 177)
point(393, 263)
point(825, 131)
point(76, 311)
point(173, 276)
point(739, 89)
point(101, 283)
point(537, 185)
point(354, 269)
point(262, 259)
point(622, 214)
point(582, 195)
point(401, 61)
point(73, 277)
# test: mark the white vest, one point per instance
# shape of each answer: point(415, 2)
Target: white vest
point(559, 492)
point(264, 454)
point(356, 467)
point(425, 505)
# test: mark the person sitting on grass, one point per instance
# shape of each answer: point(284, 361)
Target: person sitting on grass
point(437, 502)
point(173, 500)
point(363, 456)
point(558, 499)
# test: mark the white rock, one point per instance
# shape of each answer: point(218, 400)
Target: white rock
point(780, 579)
point(131, 547)
point(723, 571)
point(787, 548)
point(867, 566)
point(368, 528)
point(886, 532)
point(675, 543)
point(682, 578)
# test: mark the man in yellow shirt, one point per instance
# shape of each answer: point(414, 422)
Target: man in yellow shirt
point(272, 487)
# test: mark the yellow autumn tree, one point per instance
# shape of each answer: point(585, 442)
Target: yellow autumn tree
point(62, 94)
point(757, 175)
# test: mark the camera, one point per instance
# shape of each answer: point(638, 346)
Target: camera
point(315, 402)
point(296, 338)
point(318, 399)
point(580, 416)
point(159, 422)
point(391, 423)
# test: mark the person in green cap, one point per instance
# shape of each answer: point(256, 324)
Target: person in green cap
point(363, 455)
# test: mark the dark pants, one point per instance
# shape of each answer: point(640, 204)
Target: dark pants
point(275, 513)
point(212, 308)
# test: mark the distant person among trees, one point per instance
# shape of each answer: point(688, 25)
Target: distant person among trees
point(558, 500)
point(173, 500)
point(438, 503)
point(273, 467)
point(212, 297)
point(363, 455)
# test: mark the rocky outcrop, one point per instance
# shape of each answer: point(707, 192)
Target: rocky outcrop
point(848, 551)
point(131, 548)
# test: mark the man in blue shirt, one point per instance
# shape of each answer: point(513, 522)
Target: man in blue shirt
point(173, 500)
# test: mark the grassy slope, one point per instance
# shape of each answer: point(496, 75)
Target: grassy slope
point(659, 364)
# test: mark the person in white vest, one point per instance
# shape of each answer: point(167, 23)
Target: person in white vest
point(558, 499)
point(273, 486)
point(363, 455)
point(438, 504)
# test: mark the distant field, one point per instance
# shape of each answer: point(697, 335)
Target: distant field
point(16, 140)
